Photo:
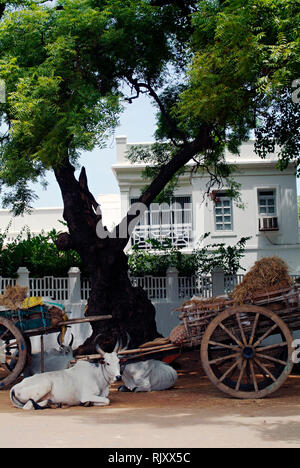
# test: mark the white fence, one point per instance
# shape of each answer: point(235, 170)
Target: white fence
point(195, 286)
point(170, 288)
point(4, 282)
point(56, 288)
point(156, 286)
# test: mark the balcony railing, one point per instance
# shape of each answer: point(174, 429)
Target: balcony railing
point(180, 235)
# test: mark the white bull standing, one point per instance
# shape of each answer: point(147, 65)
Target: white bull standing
point(148, 376)
point(84, 384)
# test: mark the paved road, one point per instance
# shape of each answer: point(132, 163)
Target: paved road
point(193, 414)
point(155, 427)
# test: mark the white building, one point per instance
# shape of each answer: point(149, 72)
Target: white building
point(270, 216)
point(46, 219)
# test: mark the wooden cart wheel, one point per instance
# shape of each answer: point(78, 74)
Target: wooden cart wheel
point(13, 353)
point(246, 352)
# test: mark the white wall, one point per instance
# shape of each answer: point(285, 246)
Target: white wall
point(46, 219)
point(41, 219)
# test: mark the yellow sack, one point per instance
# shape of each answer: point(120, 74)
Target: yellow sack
point(31, 302)
point(64, 329)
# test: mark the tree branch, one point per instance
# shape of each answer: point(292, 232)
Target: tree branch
point(84, 186)
point(175, 130)
point(78, 207)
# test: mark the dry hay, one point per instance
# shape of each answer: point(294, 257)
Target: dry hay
point(266, 275)
point(197, 303)
point(13, 297)
point(157, 342)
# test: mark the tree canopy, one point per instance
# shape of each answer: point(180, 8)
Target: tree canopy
point(216, 70)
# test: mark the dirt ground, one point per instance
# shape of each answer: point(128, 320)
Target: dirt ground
point(192, 414)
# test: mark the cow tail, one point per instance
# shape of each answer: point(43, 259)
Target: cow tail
point(15, 401)
point(19, 404)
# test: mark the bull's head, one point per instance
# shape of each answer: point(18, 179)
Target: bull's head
point(63, 349)
point(111, 361)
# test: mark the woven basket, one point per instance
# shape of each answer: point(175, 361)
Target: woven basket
point(178, 335)
point(197, 315)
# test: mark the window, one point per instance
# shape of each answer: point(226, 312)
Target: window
point(171, 221)
point(267, 202)
point(178, 211)
point(223, 212)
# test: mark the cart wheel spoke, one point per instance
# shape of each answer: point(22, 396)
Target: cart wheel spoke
point(268, 333)
point(12, 345)
point(266, 371)
point(270, 358)
point(254, 329)
point(237, 387)
point(229, 371)
point(15, 357)
point(222, 345)
point(253, 376)
point(238, 316)
point(224, 358)
point(4, 334)
point(234, 338)
point(274, 346)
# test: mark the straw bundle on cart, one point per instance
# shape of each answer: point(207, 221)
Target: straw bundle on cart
point(13, 297)
point(267, 275)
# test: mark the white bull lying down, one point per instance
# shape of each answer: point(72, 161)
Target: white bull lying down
point(83, 384)
point(148, 376)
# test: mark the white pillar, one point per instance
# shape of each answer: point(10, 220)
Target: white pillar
point(172, 284)
point(23, 278)
point(74, 285)
point(121, 143)
point(218, 282)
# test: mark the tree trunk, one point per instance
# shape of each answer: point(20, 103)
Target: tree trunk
point(112, 294)
point(107, 268)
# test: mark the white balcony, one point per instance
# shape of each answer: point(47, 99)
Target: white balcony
point(180, 235)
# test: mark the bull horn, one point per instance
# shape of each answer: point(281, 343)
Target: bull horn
point(127, 344)
point(59, 339)
point(72, 340)
point(98, 349)
point(117, 347)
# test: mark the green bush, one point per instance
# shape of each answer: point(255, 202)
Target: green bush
point(202, 260)
point(161, 256)
point(36, 252)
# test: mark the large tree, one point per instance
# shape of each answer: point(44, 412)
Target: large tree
point(216, 70)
